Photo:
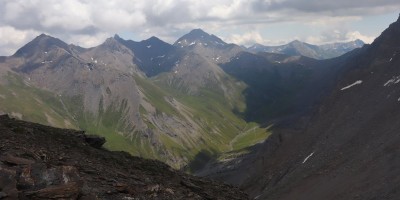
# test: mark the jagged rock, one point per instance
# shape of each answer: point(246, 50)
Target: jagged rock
point(31, 168)
point(95, 141)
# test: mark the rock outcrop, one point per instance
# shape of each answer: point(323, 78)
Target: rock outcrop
point(41, 162)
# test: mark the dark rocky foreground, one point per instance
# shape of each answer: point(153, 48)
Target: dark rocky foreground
point(41, 162)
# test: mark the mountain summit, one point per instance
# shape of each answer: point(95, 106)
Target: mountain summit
point(199, 37)
point(41, 43)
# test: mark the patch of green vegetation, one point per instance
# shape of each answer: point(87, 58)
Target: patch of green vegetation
point(156, 96)
point(214, 112)
point(142, 110)
point(211, 108)
point(32, 104)
point(250, 137)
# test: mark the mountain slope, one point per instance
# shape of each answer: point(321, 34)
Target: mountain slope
point(151, 55)
point(105, 90)
point(349, 149)
point(41, 162)
point(297, 48)
point(207, 45)
point(282, 88)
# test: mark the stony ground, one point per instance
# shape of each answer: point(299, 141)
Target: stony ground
point(41, 162)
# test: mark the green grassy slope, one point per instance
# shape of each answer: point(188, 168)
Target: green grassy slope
point(220, 130)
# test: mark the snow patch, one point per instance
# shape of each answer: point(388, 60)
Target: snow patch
point(176, 71)
point(305, 160)
point(351, 85)
point(148, 46)
point(193, 43)
point(390, 59)
point(394, 80)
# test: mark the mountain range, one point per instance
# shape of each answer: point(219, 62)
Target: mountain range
point(194, 99)
point(296, 47)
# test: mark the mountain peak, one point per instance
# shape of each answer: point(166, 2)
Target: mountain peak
point(198, 36)
point(112, 43)
point(198, 32)
point(153, 39)
point(117, 37)
point(42, 42)
point(359, 42)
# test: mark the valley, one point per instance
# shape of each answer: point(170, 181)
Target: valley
point(157, 100)
point(346, 149)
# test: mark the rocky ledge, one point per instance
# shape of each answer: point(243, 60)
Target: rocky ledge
point(41, 162)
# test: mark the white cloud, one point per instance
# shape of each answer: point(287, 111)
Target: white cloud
point(11, 39)
point(87, 40)
point(80, 20)
point(332, 36)
point(357, 35)
point(250, 38)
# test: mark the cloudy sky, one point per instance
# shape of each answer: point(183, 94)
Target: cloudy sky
point(271, 22)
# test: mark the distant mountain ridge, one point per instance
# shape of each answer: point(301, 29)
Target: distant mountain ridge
point(296, 47)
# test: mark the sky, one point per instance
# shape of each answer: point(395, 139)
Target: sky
point(88, 23)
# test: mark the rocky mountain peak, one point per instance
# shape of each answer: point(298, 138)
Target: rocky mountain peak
point(296, 42)
point(199, 37)
point(113, 44)
point(41, 43)
point(117, 37)
point(359, 42)
point(154, 41)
